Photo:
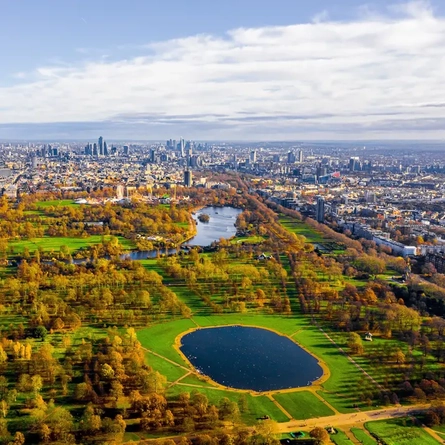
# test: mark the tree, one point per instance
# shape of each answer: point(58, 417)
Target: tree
point(320, 434)
point(399, 356)
point(40, 332)
point(355, 343)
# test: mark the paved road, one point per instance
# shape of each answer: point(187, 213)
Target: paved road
point(345, 420)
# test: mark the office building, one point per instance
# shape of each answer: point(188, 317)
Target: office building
point(188, 179)
point(319, 210)
point(101, 146)
point(300, 156)
point(252, 157)
point(291, 157)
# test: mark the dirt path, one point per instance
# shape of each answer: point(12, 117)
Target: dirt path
point(433, 434)
point(167, 360)
point(315, 393)
point(286, 413)
point(180, 378)
point(348, 420)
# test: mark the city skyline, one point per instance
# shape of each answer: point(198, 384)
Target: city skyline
point(350, 72)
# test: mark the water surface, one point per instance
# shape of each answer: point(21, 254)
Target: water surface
point(250, 358)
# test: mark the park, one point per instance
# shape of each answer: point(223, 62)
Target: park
point(262, 328)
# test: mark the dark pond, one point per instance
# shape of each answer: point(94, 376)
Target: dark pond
point(221, 225)
point(250, 358)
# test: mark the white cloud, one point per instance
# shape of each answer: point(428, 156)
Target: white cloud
point(372, 77)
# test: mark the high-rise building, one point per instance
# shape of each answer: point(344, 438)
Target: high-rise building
point(105, 149)
point(101, 146)
point(95, 153)
point(300, 156)
point(152, 155)
point(291, 158)
point(126, 150)
point(182, 147)
point(188, 178)
point(252, 156)
point(353, 164)
point(319, 210)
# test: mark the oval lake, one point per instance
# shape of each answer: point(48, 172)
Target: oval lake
point(250, 358)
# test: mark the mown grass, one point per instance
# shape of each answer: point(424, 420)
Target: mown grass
point(400, 432)
point(340, 438)
point(302, 229)
point(48, 243)
point(303, 405)
point(254, 239)
point(363, 437)
point(56, 203)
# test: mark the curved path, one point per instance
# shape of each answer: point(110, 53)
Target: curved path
point(348, 420)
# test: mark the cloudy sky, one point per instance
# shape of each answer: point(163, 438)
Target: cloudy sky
point(236, 70)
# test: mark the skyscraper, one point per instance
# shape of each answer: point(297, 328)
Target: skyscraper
point(300, 156)
point(252, 156)
point(188, 178)
point(353, 164)
point(95, 153)
point(101, 146)
point(319, 210)
point(291, 157)
point(182, 147)
point(105, 149)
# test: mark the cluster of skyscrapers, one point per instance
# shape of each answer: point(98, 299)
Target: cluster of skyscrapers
point(101, 148)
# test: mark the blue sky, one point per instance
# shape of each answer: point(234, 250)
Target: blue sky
point(242, 69)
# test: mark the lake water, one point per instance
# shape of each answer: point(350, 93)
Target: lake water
point(250, 358)
point(221, 225)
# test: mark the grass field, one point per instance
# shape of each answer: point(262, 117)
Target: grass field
point(302, 229)
point(340, 438)
point(247, 240)
point(363, 437)
point(394, 432)
point(56, 203)
point(54, 243)
point(303, 405)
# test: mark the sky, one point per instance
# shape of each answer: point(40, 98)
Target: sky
point(230, 70)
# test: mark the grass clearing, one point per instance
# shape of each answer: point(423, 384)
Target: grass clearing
point(363, 437)
point(340, 438)
point(49, 243)
point(56, 203)
point(400, 432)
point(303, 405)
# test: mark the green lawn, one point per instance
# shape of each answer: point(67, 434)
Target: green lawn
point(394, 432)
point(363, 437)
point(247, 240)
point(166, 368)
point(302, 229)
point(54, 243)
point(340, 438)
point(303, 405)
point(56, 203)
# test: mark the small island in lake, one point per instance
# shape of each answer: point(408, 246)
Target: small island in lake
point(203, 217)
